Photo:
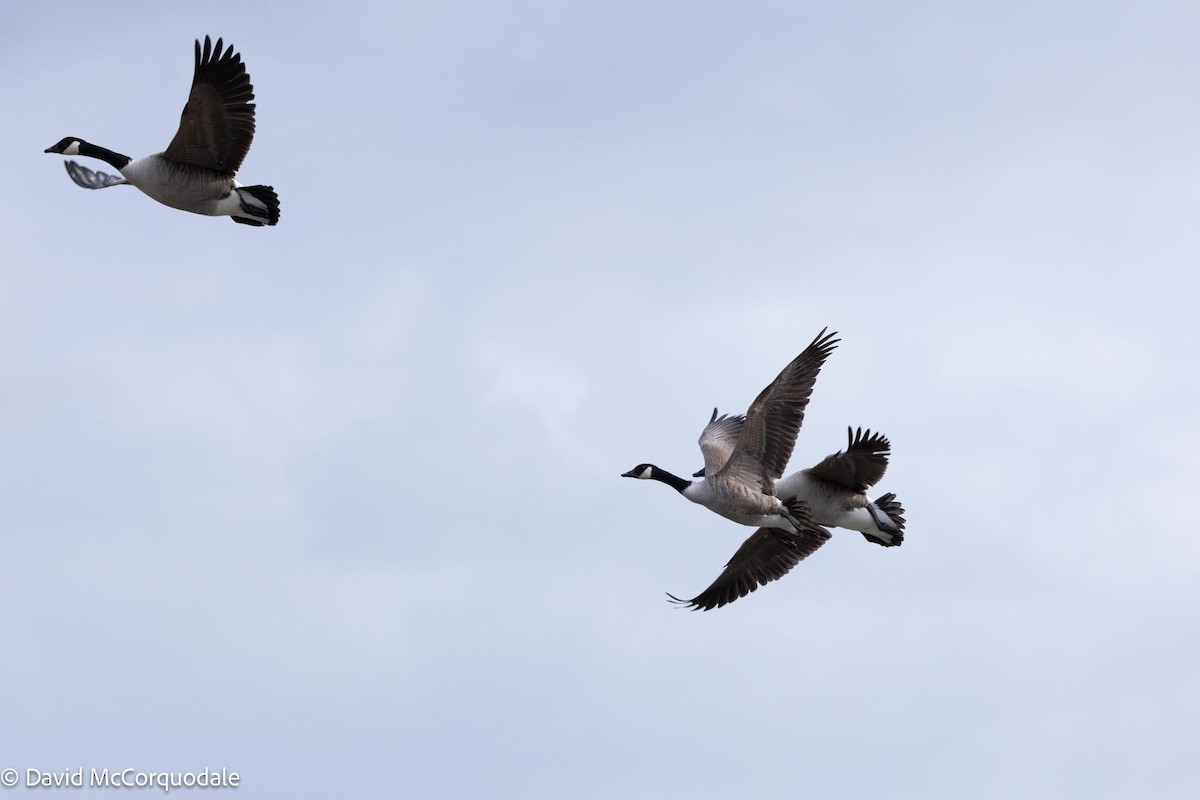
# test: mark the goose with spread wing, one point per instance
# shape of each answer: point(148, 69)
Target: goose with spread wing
point(744, 457)
point(195, 172)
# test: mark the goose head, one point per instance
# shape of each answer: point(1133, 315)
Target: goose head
point(643, 471)
point(649, 472)
point(68, 146)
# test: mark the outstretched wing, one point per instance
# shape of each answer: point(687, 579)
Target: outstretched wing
point(768, 555)
point(774, 418)
point(862, 464)
point(90, 179)
point(217, 123)
point(718, 439)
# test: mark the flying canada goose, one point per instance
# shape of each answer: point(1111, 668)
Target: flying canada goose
point(835, 490)
point(195, 172)
point(744, 456)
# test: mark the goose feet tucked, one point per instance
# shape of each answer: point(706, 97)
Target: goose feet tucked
point(795, 511)
point(888, 515)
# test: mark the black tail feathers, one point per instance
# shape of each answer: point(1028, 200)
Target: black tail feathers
point(264, 195)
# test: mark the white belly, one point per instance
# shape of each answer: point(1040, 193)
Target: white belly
point(738, 503)
point(178, 186)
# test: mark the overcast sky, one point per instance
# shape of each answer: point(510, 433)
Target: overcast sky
point(337, 504)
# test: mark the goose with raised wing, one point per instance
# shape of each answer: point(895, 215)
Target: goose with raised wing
point(196, 171)
point(744, 457)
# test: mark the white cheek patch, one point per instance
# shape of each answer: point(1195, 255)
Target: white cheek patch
point(645, 474)
point(72, 149)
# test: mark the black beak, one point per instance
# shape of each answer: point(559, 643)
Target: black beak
point(699, 474)
point(629, 474)
point(49, 150)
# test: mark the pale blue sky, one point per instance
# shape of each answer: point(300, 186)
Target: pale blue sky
point(337, 504)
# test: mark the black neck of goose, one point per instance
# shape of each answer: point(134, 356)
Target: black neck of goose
point(93, 151)
point(674, 481)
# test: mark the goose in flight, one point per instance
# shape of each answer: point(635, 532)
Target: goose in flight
point(195, 172)
point(744, 457)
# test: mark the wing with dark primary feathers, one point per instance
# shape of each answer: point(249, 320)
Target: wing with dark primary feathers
point(774, 418)
point(217, 123)
point(861, 466)
point(91, 179)
point(768, 555)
